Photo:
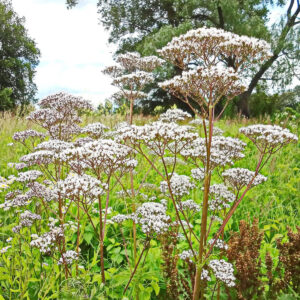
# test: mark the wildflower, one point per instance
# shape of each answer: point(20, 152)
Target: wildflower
point(239, 178)
point(223, 271)
point(180, 185)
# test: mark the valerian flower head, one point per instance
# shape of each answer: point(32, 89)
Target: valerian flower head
point(174, 115)
point(26, 220)
point(197, 84)
point(153, 218)
point(268, 138)
point(223, 271)
point(31, 175)
point(132, 61)
point(68, 257)
point(198, 174)
point(186, 255)
point(105, 155)
point(189, 205)
point(80, 185)
point(157, 136)
point(59, 115)
point(180, 185)
point(21, 136)
point(95, 130)
point(224, 150)
point(134, 81)
point(221, 197)
point(239, 178)
point(47, 241)
point(218, 244)
point(209, 44)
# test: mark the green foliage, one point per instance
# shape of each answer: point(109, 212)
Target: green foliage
point(19, 57)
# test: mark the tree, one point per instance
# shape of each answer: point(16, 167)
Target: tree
point(147, 25)
point(19, 57)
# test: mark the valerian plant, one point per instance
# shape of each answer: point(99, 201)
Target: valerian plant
point(73, 173)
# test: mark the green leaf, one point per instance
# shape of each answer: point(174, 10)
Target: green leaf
point(155, 287)
point(88, 237)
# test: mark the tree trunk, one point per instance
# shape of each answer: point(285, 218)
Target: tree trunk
point(243, 104)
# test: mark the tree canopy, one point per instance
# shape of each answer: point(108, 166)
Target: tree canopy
point(19, 57)
point(148, 25)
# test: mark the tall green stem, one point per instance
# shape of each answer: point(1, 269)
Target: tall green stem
point(199, 288)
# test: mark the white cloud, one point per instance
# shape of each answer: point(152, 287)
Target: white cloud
point(74, 47)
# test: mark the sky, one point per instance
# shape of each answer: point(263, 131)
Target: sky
point(74, 48)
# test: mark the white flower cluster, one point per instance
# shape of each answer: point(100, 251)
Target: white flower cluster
point(80, 185)
point(21, 136)
point(121, 218)
point(16, 199)
point(205, 275)
point(153, 218)
point(221, 197)
point(135, 81)
point(63, 101)
point(96, 130)
point(180, 185)
point(268, 137)
point(218, 244)
point(186, 255)
point(158, 135)
point(42, 157)
point(223, 150)
point(198, 174)
point(59, 115)
point(128, 94)
point(189, 205)
point(239, 177)
point(174, 115)
point(209, 44)
point(31, 175)
point(68, 257)
point(197, 83)
point(223, 271)
point(46, 241)
point(131, 61)
point(106, 155)
point(26, 220)
point(20, 166)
